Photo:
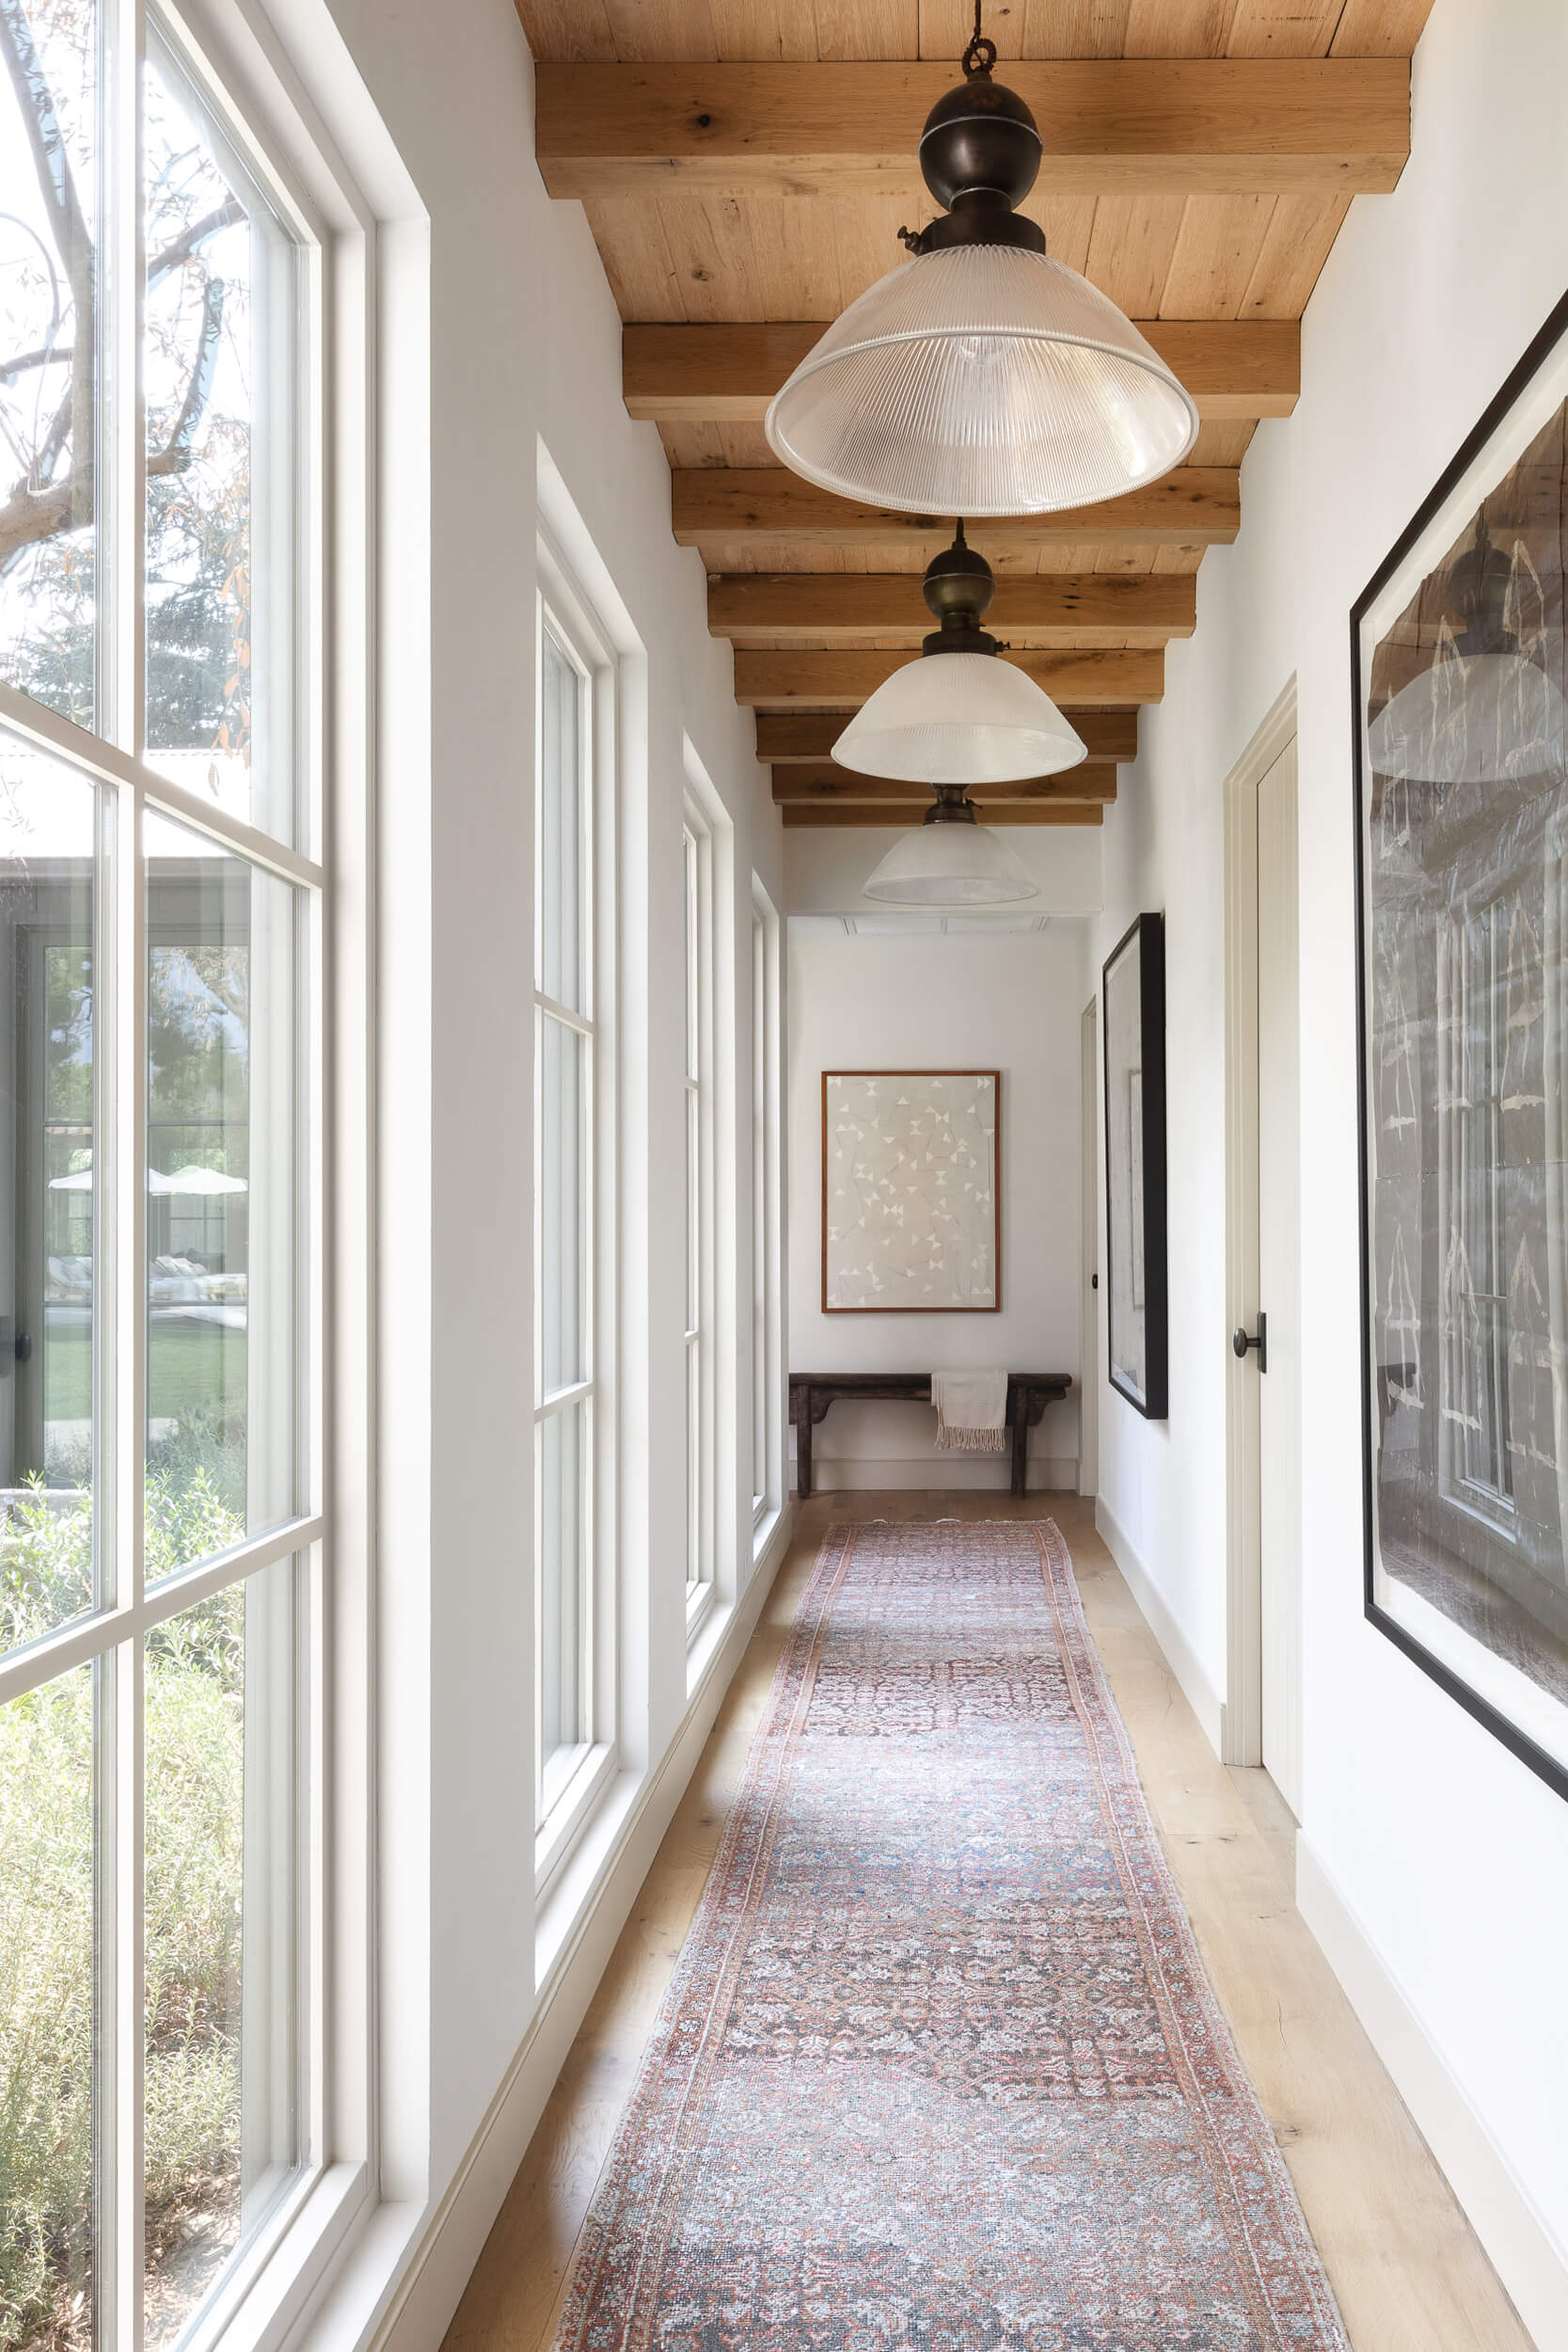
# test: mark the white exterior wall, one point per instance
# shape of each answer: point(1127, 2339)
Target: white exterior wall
point(961, 1002)
point(1434, 1867)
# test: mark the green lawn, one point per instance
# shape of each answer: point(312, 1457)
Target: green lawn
point(190, 1365)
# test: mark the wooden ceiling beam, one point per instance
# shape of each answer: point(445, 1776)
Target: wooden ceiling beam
point(830, 786)
point(788, 736)
point(1036, 608)
point(1188, 126)
point(893, 818)
point(1195, 506)
point(842, 681)
point(726, 374)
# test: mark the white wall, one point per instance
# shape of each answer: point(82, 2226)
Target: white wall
point(1434, 1867)
point(1006, 1002)
point(500, 340)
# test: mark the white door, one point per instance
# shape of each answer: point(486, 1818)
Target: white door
point(1280, 1274)
point(1088, 1256)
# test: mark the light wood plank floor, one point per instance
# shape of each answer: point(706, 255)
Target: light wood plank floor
point(1404, 2263)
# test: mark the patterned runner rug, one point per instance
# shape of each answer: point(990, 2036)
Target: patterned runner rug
point(940, 2069)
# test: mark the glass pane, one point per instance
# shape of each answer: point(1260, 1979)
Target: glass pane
point(223, 464)
point(47, 1198)
point(562, 834)
point(48, 322)
point(48, 2011)
point(223, 1250)
point(222, 1931)
point(693, 1461)
point(693, 1211)
point(562, 1202)
point(562, 1470)
point(688, 890)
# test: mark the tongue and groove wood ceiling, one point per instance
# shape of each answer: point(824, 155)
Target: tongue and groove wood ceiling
point(745, 165)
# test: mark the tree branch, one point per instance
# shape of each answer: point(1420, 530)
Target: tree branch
point(51, 163)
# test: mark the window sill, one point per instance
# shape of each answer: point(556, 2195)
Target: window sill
point(699, 1600)
point(273, 2282)
point(568, 1817)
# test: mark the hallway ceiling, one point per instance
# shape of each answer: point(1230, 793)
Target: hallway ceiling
point(745, 165)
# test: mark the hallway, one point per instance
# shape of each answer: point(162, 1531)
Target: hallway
point(1402, 2260)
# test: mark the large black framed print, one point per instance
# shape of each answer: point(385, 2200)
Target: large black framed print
point(1133, 1011)
point(1461, 743)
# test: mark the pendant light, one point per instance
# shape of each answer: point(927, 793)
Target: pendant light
point(1484, 712)
point(981, 378)
point(958, 711)
point(952, 859)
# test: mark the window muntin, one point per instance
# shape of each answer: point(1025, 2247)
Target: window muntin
point(564, 1198)
point(697, 903)
point(180, 1781)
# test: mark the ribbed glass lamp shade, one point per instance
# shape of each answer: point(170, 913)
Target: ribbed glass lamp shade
point(958, 718)
point(1483, 718)
point(982, 379)
point(952, 866)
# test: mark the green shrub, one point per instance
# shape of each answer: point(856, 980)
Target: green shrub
point(194, 1696)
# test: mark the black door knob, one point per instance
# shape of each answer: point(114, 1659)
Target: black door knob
point(1241, 1340)
point(24, 1348)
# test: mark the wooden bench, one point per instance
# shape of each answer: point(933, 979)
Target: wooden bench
point(812, 1393)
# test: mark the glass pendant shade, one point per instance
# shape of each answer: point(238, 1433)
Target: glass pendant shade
point(1483, 718)
point(952, 866)
point(982, 379)
point(966, 718)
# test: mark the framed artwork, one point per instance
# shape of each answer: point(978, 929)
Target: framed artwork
point(1461, 749)
point(911, 1192)
point(1137, 1327)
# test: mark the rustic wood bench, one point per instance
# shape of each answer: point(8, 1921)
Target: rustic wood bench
point(812, 1393)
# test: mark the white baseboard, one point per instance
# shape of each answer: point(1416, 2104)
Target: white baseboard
point(1525, 2252)
point(415, 2314)
point(937, 1470)
point(1179, 1654)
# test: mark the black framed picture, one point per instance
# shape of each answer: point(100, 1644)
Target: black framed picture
point(1461, 753)
point(1133, 1018)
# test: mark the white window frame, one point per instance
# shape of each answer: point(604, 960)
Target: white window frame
point(767, 1218)
point(566, 1799)
point(268, 2283)
point(698, 1114)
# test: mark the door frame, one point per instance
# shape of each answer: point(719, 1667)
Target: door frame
point(1242, 1707)
point(1088, 1254)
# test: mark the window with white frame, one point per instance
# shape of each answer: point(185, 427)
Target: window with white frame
point(766, 1270)
point(162, 1447)
point(573, 1211)
point(697, 896)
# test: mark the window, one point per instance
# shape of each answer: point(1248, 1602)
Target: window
point(1473, 987)
point(697, 863)
point(162, 934)
point(574, 1292)
point(766, 1455)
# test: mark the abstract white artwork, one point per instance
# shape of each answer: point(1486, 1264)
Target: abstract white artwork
point(911, 1199)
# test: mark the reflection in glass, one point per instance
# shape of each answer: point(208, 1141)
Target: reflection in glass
point(221, 524)
point(1466, 833)
point(221, 1207)
point(562, 1552)
point(562, 833)
point(221, 2003)
point(48, 2016)
point(47, 1196)
point(562, 1204)
point(48, 332)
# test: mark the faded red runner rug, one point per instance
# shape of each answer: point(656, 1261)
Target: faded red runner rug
point(940, 2069)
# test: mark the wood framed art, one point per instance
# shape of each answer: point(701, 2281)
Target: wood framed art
point(1460, 715)
point(1136, 1319)
point(911, 1192)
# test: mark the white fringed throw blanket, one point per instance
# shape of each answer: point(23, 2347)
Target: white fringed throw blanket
point(972, 1411)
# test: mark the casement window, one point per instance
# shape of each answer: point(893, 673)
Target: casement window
point(1473, 979)
point(574, 1219)
point(701, 1513)
point(164, 1190)
point(767, 1452)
